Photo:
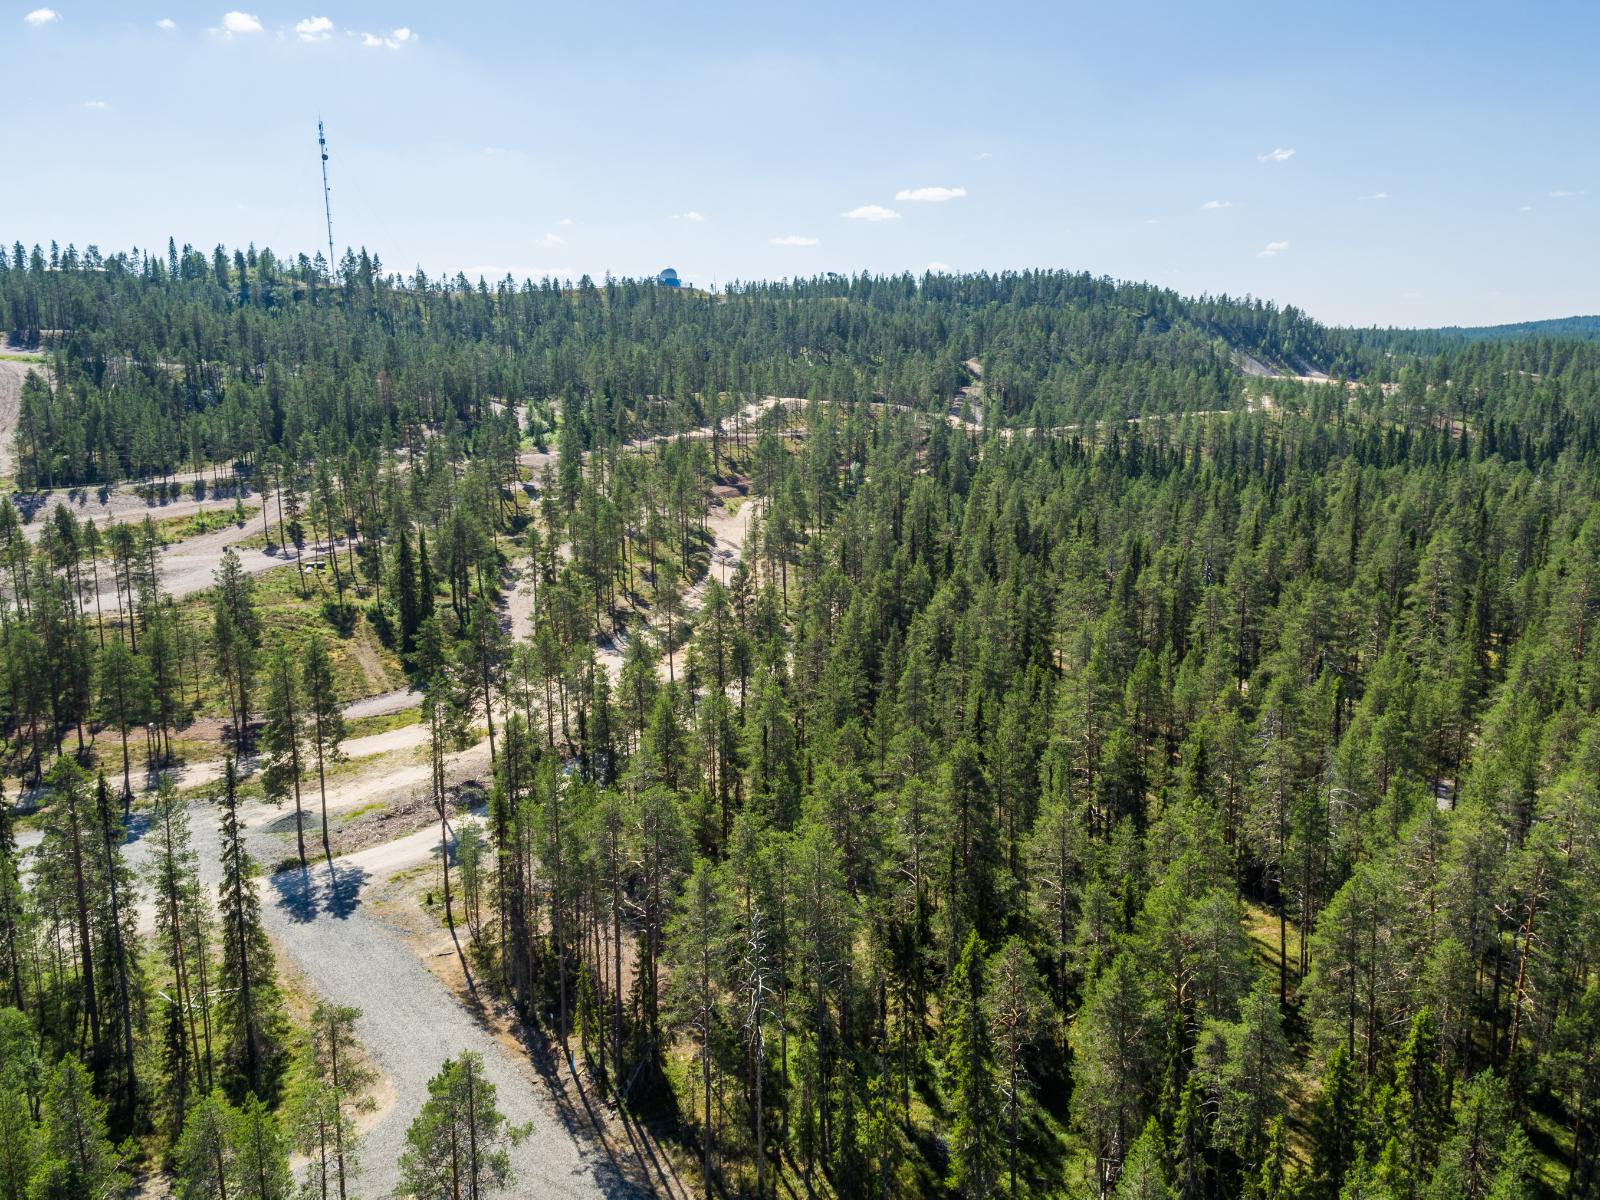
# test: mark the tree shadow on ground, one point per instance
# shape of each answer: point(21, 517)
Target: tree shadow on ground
point(325, 886)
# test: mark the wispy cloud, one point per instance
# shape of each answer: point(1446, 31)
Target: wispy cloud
point(1215, 204)
point(985, 155)
point(552, 239)
point(1564, 194)
point(314, 29)
point(691, 216)
point(1277, 154)
point(237, 24)
point(1525, 208)
point(166, 24)
point(566, 221)
point(392, 40)
point(931, 195)
point(1377, 196)
point(871, 212)
point(42, 16)
point(1273, 250)
point(794, 239)
point(95, 105)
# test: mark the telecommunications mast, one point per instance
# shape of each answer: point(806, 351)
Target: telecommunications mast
point(327, 200)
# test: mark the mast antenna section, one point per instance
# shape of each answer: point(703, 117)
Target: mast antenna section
point(327, 196)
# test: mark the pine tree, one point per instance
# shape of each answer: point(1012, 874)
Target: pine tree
point(205, 1151)
point(1019, 1014)
point(124, 691)
point(458, 1147)
point(260, 1155)
point(1115, 1060)
point(325, 720)
point(1142, 1175)
point(235, 638)
point(695, 947)
point(335, 1089)
point(18, 1139)
point(76, 1159)
point(12, 910)
point(282, 737)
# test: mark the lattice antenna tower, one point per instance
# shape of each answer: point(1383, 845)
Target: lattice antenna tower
point(327, 197)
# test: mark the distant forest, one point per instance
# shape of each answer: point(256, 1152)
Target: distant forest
point(1106, 773)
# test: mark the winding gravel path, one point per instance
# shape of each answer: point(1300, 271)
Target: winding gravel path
point(410, 1023)
point(322, 920)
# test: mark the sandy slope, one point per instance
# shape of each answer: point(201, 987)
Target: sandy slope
point(12, 373)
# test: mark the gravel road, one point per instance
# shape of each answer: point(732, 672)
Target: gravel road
point(322, 920)
point(410, 1023)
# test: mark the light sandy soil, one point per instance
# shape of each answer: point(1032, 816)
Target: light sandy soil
point(729, 530)
point(12, 373)
point(104, 506)
point(383, 704)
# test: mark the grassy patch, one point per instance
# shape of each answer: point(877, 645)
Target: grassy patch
point(172, 530)
point(362, 664)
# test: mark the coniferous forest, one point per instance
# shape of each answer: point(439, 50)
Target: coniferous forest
point(992, 735)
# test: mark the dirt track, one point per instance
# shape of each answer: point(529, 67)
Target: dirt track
point(12, 373)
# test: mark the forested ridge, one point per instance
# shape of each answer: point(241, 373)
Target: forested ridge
point(1096, 772)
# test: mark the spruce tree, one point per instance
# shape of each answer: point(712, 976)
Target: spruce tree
point(250, 1008)
point(969, 1078)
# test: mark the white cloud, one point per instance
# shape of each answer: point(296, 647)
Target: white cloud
point(984, 155)
point(166, 24)
point(1273, 250)
point(1377, 196)
point(392, 40)
point(939, 268)
point(794, 239)
point(1276, 155)
point(1526, 208)
point(42, 16)
point(314, 29)
point(96, 105)
point(1564, 194)
point(871, 212)
point(931, 195)
point(240, 22)
point(1215, 204)
point(552, 239)
point(566, 221)
point(1152, 220)
point(691, 215)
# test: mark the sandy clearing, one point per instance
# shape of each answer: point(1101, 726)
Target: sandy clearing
point(376, 783)
point(11, 377)
point(729, 528)
point(383, 704)
point(104, 506)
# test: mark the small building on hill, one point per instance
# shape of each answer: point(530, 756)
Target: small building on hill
point(669, 278)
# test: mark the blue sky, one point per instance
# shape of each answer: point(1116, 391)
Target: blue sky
point(1407, 163)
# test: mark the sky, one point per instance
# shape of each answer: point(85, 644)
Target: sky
point(1411, 162)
